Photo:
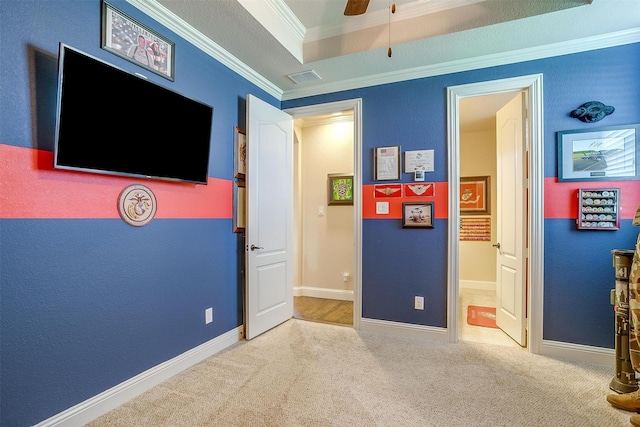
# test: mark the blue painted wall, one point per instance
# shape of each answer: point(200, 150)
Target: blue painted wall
point(578, 272)
point(88, 303)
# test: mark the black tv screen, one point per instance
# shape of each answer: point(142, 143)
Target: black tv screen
point(114, 122)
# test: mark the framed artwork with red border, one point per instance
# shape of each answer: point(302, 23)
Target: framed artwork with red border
point(387, 190)
point(420, 189)
point(475, 195)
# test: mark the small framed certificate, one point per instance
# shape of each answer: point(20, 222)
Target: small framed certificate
point(387, 163)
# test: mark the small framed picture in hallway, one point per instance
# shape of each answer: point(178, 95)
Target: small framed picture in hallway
point(475, 195)
point(340, 189)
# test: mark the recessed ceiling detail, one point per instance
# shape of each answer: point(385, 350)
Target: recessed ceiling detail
point(429, 37)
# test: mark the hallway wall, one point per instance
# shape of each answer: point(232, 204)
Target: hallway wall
point(327, 232)
point(478, 258)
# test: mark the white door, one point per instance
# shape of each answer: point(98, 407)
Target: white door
point(269, 229)
point(510, 245)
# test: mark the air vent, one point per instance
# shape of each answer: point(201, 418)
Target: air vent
point(304, 76)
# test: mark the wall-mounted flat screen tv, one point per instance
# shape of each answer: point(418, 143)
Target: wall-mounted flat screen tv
point(114, 122)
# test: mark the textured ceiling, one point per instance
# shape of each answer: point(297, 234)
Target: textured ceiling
point(428, 37)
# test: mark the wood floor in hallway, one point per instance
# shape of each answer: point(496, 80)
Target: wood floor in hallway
point(323, 310)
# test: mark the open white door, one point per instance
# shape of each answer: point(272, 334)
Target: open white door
point(269, 228)
point(511, 227)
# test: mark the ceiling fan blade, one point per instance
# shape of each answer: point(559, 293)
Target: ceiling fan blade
point(356, 7)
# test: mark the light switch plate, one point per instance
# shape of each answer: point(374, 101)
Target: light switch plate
point(382, 208)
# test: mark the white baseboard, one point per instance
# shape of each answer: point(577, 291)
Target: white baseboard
point(579, 353)
point(309, 291)
point(404, 329)
point(477, 284)
point(102, 403)
point(553, 349)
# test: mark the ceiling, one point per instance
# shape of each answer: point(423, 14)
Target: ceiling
point(267, 40)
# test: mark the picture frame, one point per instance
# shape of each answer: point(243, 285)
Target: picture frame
point(239, 152)
point(239, 207)
point(387, 191)
point(418, 160)
point(421, 189)
point(417, 214)
point(475, 195)
point(387, 163)
point(475, 229)
point(340, 189)
point(122, 36)
point(600, 154)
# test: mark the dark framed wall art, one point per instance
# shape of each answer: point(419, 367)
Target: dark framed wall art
point(129, 39)
point(475, 196)
point(601, 154)
point(417, 215)
point(340, 189)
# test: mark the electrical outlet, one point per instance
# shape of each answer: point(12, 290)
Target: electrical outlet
point(419, 303)
point(208, 315)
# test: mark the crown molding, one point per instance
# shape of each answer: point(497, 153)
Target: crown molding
point(503, 58)
point(180, 27)
point(170, 20)
point(276, 17)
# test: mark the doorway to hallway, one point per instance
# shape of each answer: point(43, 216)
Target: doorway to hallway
point(319, 222)
point(484, 122)
point(532, 277)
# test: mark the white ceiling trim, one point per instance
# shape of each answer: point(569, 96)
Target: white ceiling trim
point(276, 17)
point(381, 17)
point(170, 20)
point(186, 31)
point(504, 58)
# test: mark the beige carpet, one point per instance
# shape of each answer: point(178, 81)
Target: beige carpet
point(313, 374)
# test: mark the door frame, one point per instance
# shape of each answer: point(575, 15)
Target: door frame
point(328, 108)
point(532, 84)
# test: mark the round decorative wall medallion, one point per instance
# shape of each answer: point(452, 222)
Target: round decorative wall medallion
point(137, 205)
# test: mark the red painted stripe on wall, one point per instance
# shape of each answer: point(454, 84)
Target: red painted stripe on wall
point(440, 199)
point(561, 201)
point(31, 188)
